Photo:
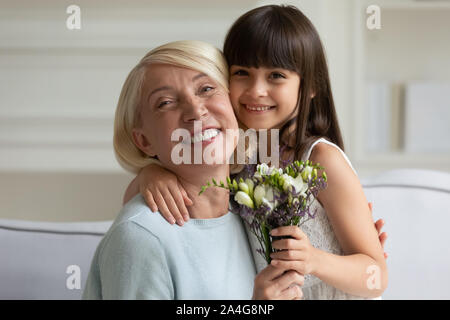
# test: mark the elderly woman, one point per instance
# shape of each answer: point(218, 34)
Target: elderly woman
point(142, 256)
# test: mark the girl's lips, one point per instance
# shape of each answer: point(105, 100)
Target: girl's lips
point(257, 109)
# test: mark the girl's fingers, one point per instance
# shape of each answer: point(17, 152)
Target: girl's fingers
point(179, 202)
point(383, 238)
point(288, 244)
point(288, 255)
point(186, 198)
point(292, 231)
point(172, 207)
point(163, 209)
point(379, 225)
point(148, 197)
point(385, 255)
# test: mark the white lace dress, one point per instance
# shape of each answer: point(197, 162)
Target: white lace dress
point(321, 235)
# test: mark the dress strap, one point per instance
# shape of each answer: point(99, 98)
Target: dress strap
point(323, 140)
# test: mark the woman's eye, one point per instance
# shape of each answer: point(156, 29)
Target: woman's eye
point(277, 75)
point(206, 89)
point(164, 103)
point(240, 73)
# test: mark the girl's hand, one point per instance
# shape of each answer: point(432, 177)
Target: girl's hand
point(297, 253)
point(379, 224)
point(161, 190)
point(278, 284)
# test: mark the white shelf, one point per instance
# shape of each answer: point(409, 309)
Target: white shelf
point(413, 5)
point(397, 73)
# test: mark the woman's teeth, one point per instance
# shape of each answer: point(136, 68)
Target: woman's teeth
point(205, 135)
point(258, 108)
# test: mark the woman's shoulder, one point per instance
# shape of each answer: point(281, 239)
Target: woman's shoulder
point(136, 221)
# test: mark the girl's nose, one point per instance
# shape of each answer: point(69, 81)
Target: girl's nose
point(257, 88)
point(194, 109)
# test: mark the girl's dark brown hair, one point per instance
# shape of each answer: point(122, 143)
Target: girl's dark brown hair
point(276, 36)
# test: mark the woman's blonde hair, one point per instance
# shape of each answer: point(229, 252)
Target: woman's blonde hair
point(195, 55)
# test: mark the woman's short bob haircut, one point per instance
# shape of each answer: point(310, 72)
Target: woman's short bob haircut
point(195, 55)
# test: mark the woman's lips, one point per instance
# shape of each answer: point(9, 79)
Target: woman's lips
point(206, 137)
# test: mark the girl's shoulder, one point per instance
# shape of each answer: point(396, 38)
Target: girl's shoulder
point(329, 155)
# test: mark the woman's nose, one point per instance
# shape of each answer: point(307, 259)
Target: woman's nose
point(194, 109)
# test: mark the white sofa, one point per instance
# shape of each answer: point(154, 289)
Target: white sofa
point(35, 256)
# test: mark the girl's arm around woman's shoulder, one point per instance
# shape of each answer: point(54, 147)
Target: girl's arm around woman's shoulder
point(362, 271)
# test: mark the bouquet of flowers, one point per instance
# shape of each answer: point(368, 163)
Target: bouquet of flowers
point(267, 197)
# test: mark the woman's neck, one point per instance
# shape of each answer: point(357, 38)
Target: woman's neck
point(213, 202)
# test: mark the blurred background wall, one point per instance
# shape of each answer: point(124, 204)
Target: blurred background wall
point(59, 89)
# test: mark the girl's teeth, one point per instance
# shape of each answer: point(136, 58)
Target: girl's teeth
point(257, 108)
point(205, 135)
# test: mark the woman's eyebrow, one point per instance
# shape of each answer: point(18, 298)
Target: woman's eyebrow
point(200, 75)
point(159, 89)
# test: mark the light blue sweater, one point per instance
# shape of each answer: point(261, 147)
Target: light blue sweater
point(142, 256)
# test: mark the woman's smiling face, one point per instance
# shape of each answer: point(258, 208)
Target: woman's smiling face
point(263, 98)
point(174, 98)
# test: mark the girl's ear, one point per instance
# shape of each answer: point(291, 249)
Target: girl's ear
point(142, 142)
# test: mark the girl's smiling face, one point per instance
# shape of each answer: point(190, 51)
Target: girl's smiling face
point(264, 98)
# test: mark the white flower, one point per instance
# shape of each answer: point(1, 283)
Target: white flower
point(243, 199)
point(306, 173)
point(251, 186)
point(264, 195)
point(259, 194)
point(243, 187)
point(264, 169)
point(296, 183)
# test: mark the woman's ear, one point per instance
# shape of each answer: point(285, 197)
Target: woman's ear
point(142, 142)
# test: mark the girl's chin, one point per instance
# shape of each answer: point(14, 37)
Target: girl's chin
point(257, 125)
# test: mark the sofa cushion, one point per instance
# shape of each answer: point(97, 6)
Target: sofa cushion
point(415, 205)
point(36, 256)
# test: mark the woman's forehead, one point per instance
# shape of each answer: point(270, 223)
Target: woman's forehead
point(158, 76)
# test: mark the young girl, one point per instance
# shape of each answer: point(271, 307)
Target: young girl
point(279, 80)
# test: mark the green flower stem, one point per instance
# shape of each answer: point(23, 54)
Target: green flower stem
point(267, 242)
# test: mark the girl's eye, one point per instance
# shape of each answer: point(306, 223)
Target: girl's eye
point(241, 73)
point(277, 75)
